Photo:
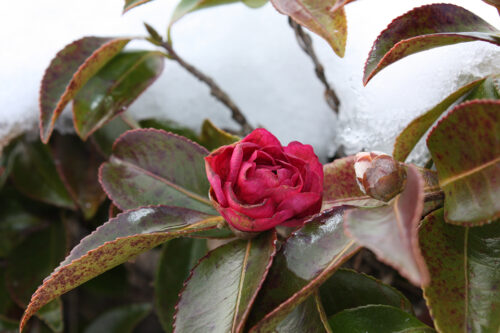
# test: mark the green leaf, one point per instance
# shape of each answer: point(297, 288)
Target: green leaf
point(294, 276)
point(178, 257)
point(222, 287)
point(18, 218)
point(305, 317)
point(7, 157)
point(187, 6)
point(322, 17)
point(33, 260)
point(170, 126)
point(6, 303)
point(466, 151)
point(71, 68)
point(391, 231)
point(34, 174)
point(106, 135)
point(213, 137)
point(77, 164)
point(464, 263)
point(340, 186)
point(111, 90)
point(348, 289)
point(122, 319)
point(115, 242)
point(110, 283)
point(424, 28)
point(485, 88)
point(129, 4)
point(8, 326)
point(254, 3)
point(376, 319)
point(409, 137)
point(155, 167)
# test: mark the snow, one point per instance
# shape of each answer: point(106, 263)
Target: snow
point(253, 55)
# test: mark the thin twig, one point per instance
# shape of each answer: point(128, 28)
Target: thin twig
point(305, 43)
point(215, 90)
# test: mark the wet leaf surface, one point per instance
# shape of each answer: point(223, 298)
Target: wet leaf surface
point(465, 147)
point(115, 242)
point(71, 68)
point(111, 90)
point(34, 174)
point(149, 167)
point(223, 286)
point(294, 276)
point(391, 231)
point(305, 317)
point(376, 319)
point(178, 257)
point(348, 289)
point(464, 264)
point(424, 28)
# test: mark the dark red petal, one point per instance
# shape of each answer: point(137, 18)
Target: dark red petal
point(260, 210)
point(300, 202)
point(216, 184)
point(262, 137)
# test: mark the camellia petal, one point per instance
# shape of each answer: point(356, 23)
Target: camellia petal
point(258, 184)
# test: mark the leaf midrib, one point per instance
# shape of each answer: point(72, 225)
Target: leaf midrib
point(469, 172)
point(178, 188)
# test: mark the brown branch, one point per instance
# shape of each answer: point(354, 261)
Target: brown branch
point(305, 43)
point(215, 90)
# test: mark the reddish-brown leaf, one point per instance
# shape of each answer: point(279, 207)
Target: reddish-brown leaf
point(71, 68)
point(424, 28)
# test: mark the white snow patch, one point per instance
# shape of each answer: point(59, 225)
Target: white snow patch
point(253, 55)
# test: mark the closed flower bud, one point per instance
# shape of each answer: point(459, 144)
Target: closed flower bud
point(379, 175)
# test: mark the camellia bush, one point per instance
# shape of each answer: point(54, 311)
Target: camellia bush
point(248, 235)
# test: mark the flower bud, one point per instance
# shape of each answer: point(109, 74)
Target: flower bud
point(379, 175)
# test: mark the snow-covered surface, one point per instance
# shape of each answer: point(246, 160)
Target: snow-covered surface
point(253, 55)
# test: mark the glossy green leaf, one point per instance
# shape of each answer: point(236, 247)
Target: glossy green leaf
point(150, 167)
point(424, 28)
point(178, 258)
point(77, 164)
point(294, 276)
point(30, 262)
point(71, 68)
point(348, 289)
point(391, 231)
point(18, 218)
point(111, 90)
point(485, 88)
point(122, 319)
point(34, 174)
point(212, 137)
point(305, 317)
point(115, 242)
point(254, 3)
point(321, 17)
point(106, 135)
point(222, 287)
point(464, 263)
point(465, 147)
point(340, 186)
point(170, 126)
point(376, 319)
point(129, 4)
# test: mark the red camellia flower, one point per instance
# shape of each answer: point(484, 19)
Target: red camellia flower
point(257, 184)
